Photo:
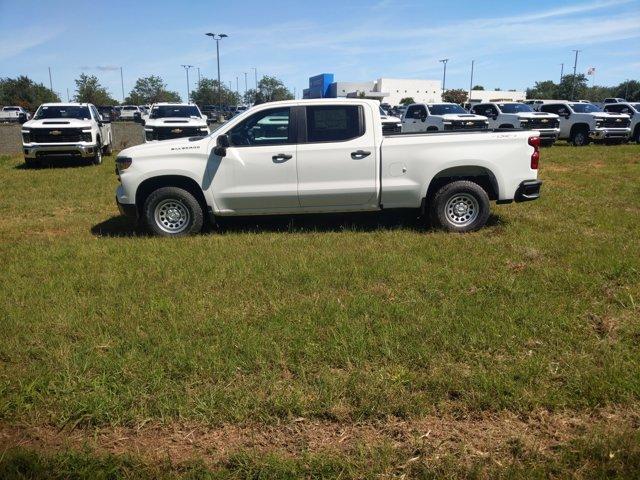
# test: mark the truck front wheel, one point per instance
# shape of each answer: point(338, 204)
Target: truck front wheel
point(580, 137)
point(460, 206)
point(172, 212)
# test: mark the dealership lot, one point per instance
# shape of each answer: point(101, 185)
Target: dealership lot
point(311, 327)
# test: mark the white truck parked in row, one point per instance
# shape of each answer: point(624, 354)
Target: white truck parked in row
point(313, 156)
point(582, 122)
point(390, 124)
point(131, 113)
point(439, 117)
point(174, 120)
point(520, 115)
point(628, 108)
point(68, 130)
point(14, 115)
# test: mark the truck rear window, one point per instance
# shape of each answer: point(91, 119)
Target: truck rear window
point(334, 123)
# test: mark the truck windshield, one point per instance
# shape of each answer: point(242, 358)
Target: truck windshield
point(514, 107)
point(444, 108)
point(10, 109)
point(63, 111)
point(584, 108)
point(180, 111)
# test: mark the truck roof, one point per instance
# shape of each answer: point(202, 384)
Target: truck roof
point(65, 104)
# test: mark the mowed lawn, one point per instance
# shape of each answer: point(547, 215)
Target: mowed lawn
point(370, 324)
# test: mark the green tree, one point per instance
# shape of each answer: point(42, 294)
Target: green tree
point(572, 83)
point(270, 89)
point(24, 92)
point(151, 89)
point(407, 101)
point(544, 89)
point(629, 90)
point(456, 95)
point(207, 94)
point(89, 90)
point(477, 87)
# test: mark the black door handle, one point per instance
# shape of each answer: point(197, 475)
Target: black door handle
point(281, 157)
point(359, 154)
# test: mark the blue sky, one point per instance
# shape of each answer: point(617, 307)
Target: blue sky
point(513, 43)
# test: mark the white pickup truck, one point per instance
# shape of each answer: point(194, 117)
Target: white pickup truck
point(628, 108)
point(582, 122)
point(66, 130)
point(520, 115)
point(14, 115)
point(174, 120)
point(437, 117)
point(313, 156)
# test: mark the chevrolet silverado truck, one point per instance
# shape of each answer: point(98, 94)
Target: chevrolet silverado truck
point(390, 124)
point(131, 113)
point(436, 117)
point(174, 120)
point(519, 115)
point(320, 155)
point(580, 123)
point(66, 130)
point(14, 115)
point(628, 108)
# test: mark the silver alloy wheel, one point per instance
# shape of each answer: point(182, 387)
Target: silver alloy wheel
point(462, 209)
point(172, 216)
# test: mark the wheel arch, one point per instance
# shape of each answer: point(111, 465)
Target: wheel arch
point(579, 126)
point(149, 185)
point(483, 176)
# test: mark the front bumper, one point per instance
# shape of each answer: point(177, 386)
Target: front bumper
point(528, 190)
point(549, 134)
point(84, 150)
point(126, 209)
point(605, 133)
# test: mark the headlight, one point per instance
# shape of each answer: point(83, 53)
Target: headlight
point(148, 132)
point(598, 123)
point(86, 135)
point(204, 129)
point(123, 163)
point(524, 120)
point(26, 136)
point(446, 123)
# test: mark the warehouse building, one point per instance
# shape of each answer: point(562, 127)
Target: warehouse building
point(481, 96)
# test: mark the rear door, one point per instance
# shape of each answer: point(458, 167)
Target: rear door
point(337, 157)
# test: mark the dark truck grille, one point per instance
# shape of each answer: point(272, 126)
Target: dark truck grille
point(466, 125)
point(166, 133)
point(615, 122)
point(390, 127)
point(542, 123)
point(56, 135)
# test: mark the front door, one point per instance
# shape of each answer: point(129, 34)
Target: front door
point(415, 119)
point(259, 170)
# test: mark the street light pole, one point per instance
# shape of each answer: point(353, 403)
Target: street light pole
point(561, 71)
point(186, 68)
point(245, 84)
point(573, 82)
point(471, 81)
point(444, 74)
point(50, 81)
point(255, 72)
point(217, 38)
point(198, 77)
point(122, 84)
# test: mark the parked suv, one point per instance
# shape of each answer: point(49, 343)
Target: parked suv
point(434, 117)
point(174, 120)
point(628, 108)
point(519, 115)
point(582, 122)
point(66, 129)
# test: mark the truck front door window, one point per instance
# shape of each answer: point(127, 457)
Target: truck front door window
point(269, 127)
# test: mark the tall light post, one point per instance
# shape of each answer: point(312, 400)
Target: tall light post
point(217, 38)
point(122, 84)
point(444, 74)
point(50, 81)
point(245, 84)
point(255, 72)
point(198, 77)
point(186, 69)
point(575, 65)
point(471, 81)
point(561, 71)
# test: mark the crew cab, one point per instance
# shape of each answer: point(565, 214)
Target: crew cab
point(520, 115)
point(390, 124)
point(614, 100)
point(174, 120)
point(628, 108)
point(66, 129)
point(437, 117)
point(132, 113)
point(321, 155)
point(14, 115)
point(582, 122)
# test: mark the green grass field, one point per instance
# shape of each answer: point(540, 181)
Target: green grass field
point(326, 346)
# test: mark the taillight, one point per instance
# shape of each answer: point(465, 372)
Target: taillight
point(535, 156)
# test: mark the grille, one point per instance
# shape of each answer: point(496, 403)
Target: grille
point(166, 133)
point(614, 123)
point(66, 135)
point(390, 127)
point(539, 123)
point(466, 125)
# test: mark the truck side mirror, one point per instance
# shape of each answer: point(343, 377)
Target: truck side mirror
point(222, 143)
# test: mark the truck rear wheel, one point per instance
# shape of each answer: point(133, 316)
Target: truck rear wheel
point(97, 156)
point(460, 206)
point(172, 212)
point(108, 149)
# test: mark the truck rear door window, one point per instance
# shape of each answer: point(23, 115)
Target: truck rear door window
point(334, 123)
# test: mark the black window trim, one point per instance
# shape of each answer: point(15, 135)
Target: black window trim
point(293, 128)
point(302, 127)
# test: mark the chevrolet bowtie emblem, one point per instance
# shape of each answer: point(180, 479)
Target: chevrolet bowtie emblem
point(56, 132)
point(618, 120)
point(176, 130)
point(544, 120)
point(469, 123)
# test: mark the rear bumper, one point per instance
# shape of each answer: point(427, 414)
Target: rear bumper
point(604, 133)
point(528, 190)
point(84, 150)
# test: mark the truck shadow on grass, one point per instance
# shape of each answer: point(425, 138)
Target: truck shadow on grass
point(70, 162)
point(304, 223)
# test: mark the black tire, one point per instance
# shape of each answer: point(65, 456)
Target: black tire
point(547, 143)
point(97, 156)
point(187, 215)
point(636, 135)
point(460, 206)
point(580, 137)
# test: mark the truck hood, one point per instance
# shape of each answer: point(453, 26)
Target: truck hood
point(390, 119)
point(462, 116)
point(175, 122)
point(536, 115)
point(58, 123)
point(609, 115)
point(165, 147)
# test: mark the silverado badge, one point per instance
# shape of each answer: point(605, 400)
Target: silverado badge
point(469, 123)
point(176, 130)
point(55, 132)
point(544, 120)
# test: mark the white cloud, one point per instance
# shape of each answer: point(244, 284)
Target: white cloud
point(15, 42)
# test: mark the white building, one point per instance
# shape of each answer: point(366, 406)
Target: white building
point(422, 91)
point(481, 96)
